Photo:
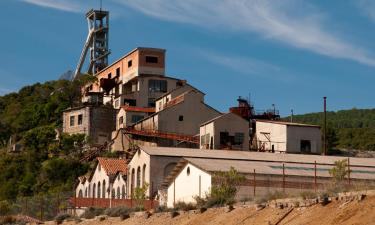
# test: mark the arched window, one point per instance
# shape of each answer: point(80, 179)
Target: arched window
point(93, 190)
point(80, 195)
point(89, 192)
point(123, 191)
point(138, 176)
point(143, 174)
point(113, 193)
point(118, 193)
point(132, 181)
point(86, 192)
point(99, 189)
point(103, 192)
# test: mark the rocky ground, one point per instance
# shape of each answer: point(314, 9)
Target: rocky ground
point(354, 210)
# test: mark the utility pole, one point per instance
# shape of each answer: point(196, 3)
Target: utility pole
point(291, 116)
point(325, 126)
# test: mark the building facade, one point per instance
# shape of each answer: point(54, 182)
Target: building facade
point(227, 131)
point(285, 137)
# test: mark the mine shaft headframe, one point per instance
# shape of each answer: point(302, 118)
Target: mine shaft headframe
point(96, 43)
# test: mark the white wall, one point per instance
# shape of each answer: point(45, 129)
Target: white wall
point(99, 176)
point(232, 124)
point(185, 186)
point(119, 188)
point(139, 160)
point(277, 135)
point(206, 132)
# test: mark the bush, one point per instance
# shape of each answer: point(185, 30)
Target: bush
point(307, 195)
point(184, 206)
point(61, 217)
point(200, 202)
point(5, 208)
point(162, 208)
point(117, 211)
point(92, 212)
point(7, 220)
point(225, 188)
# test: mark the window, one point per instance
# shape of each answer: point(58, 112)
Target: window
point(139, 177)
point(238, 138)
point(131, 102)
point(113, 193)
point(224, 138)
point(151, 102)
point(99, 167)
point(151, 59)
point(130, 63)
point(93, 190)
point(120, 120)
point(103, 192)
point(118, 193)
point(188, 171)
point(143, 174)
point(80, 119)
point(157, 85)
point(99, 189)
point(109, 75)
point(136, 118)
point(123, 192)
point(181, 118)
point(71, 121)
point(118, 72)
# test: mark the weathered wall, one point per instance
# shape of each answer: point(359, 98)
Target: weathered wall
point(278, 136)
point(296, 134)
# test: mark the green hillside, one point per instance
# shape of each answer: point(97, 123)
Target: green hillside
point(347, 129)
point(29, 117)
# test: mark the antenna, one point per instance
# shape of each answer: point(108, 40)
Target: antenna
point(101, 3)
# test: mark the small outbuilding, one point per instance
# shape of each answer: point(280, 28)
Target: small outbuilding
point(228, 131)
point(282, 137)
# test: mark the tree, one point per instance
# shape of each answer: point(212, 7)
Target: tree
point(139, 195)
point(340, 170)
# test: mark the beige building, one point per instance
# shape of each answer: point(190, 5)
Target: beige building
point(227, 131)
point(108, 179)
point(96, 122)
point(129, 115)
point(285, 137)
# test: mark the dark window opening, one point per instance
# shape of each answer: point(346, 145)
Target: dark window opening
point(157, 86)
point(151, 59)
point(136, 118)
point(80, 119)
point(305, 146)
point(151, 102)
point(71, 121)
point(238, 138)
point(121, 121)
point(181, 118)
point(118, 72)
point(130, 102)
point(130, 63)
point(188, 171)
point(109, 76)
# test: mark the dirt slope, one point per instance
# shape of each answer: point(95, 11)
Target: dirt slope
point(335, 213)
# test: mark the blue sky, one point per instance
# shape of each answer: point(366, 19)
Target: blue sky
point(289, 53)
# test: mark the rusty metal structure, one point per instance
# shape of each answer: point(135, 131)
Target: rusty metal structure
point(96, 43)
point(246, 110)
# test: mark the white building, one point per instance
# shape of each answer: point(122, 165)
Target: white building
point(108, 179)
point(278, 136)
point(228, 131)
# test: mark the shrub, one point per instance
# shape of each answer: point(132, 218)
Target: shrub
point(184, 206)
point(225, 188)
point(5, 208)
point(200, 202)
point(7, 220)
point(139, 195)
point(117, 211)
point(92, 212)
point(340, 170)
point(162, 208)
point(61, 217)
point(307, 195)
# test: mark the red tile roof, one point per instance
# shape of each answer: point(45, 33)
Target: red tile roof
point(112, 166)
point(138, 109)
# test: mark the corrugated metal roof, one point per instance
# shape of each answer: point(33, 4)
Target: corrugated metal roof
point(254, 156)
